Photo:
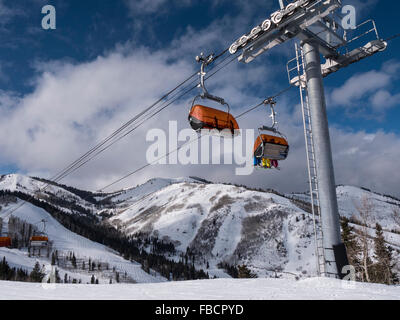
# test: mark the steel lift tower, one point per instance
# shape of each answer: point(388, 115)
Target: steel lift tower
point(319, 28)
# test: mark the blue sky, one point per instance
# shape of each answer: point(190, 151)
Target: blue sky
point(42, 74)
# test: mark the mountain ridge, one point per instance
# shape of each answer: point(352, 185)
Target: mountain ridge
point(215, 225)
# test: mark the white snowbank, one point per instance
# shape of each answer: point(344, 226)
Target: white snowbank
point(217, 289)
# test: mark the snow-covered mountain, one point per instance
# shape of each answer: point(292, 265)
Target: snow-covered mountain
point(225, 223)
point(364, 207)
point(214, 224)
point(352, 200)
point(270, 233)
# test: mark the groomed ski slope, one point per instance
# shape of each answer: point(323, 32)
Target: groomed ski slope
point(217, 289)
point(65, 241)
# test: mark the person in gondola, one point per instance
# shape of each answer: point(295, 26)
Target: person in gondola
point(265, 163)
point(257, 161)
point(272, 146)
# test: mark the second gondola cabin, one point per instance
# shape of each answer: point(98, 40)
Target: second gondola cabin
point(202, 117)
point(271, 147)
point(38, 241)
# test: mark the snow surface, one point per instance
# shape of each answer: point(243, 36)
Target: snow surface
point(217, 289)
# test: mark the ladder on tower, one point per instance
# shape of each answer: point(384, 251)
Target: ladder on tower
point(311, 162)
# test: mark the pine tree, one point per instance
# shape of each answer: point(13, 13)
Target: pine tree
point(396, 217)
point(383, 268)
point(53, 259)
point(353, 247)
point(21, 275)
point(244, 272)
point(57, 276)
point(4, 269)
point(73, 261)
point(37, 274)
point(365, 210)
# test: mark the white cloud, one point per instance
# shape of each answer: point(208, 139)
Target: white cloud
point(7, 12)
point(374, 162)
point(75, 105)
point(383, 100)
point(142, 7)
point(369, 91)
point(362, 6)
point(62, 117)
point(358, 86)
point(219, 34)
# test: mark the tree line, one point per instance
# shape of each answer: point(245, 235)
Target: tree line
point(377, 267)
point(8, 273)
point(92, 227)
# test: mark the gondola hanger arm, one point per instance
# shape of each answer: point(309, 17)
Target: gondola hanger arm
point(205, 61)
point(271, 102)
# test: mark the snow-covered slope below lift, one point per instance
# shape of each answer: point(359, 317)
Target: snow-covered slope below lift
point(65, 241)
point(224, 223)
point(217, 289)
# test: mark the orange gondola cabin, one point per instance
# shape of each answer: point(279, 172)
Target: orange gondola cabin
point(271, 147)
point(38, 241)
point(202, 117)
point(5, 242)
